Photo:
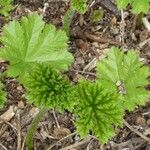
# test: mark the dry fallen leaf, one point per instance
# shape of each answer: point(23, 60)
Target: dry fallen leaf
point(9, 114)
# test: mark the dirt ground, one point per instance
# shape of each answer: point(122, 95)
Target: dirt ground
point(88, 42)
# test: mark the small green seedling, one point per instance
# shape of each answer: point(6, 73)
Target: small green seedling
point(5, 7)
point(97, 15)
point(79, 6)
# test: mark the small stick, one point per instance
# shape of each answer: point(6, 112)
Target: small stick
point(3, 147)
point(122, 27)
point(56, 120)
point(8, 123)
point(77, 144)
point(66, 137)
point(88, 147)
point(137, 132)
point(84, 72)
point(19, 133)
point(23, 143)
point(146, 23)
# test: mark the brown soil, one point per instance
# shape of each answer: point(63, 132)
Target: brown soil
point(89, 42)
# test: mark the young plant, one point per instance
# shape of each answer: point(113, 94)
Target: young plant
point(31, 41)
point(33, 48)
point(79, 6)
point(76, 5)
point(97, 110)
point(46, 89)
point(138, 6)
point(97, 15)
point(5, 7)
point(126, 75)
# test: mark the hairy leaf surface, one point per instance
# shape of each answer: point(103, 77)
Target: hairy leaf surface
point(46, 87)
point(31, 41)
point(125, 74)
point(97, 110)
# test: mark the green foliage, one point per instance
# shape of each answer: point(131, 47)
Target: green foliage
point(31, 41)
point(97, 15)
point(138, 6)
point(5, 7)
point(97, 110)
point(47, 88)
point(2, 96)
point(79, 5)
point(125, 74)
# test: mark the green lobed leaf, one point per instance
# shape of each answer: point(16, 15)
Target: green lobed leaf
point(79, 5)
point(125, 74)
point(31, 41)
point(138, 6)
point(97, 110)
point(46, 87)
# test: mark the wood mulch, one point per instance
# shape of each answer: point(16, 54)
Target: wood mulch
point(88, 43)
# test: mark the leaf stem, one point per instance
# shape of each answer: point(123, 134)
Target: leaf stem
point(32, 129)
point(67, 20)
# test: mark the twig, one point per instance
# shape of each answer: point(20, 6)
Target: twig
point(8, 123)
point(66, 137)
point(99, 39)
point(88, 147)
point(56, 120)
point(146, 23)
point(19, 133)
point(84, 72)
point(77, 144)
point(3, 147)
point(137, 132)
point(122, 27)
point(144, 43)
point(23, 143)
point(44, 9)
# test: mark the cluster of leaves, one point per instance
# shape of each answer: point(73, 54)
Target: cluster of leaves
point(120, 86)
point(5, 7)
point(37, 52)
point(138, 6)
